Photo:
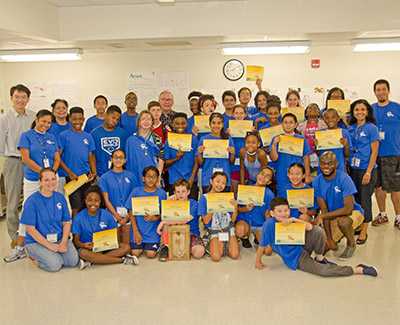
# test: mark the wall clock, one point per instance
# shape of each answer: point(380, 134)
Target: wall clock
point(233, 69)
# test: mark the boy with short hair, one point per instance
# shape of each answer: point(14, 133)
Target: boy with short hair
point(299, 256)
point(100, 103)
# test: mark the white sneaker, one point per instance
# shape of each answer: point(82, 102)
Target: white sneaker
point(17, 253)
point(131, 260)
point(83, 264)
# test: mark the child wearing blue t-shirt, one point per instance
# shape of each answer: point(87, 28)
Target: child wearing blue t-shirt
point(100, 104)
point(299, 256)
point(212, 165)
point(251, 217)
point(271, 118)
point(207, 106)
point(91, 220)
point(116, 185)
point(220, 225)
point(144, 236)
point(128, 118)
point(182, 191)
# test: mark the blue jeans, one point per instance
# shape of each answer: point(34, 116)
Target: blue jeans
point(51, 261)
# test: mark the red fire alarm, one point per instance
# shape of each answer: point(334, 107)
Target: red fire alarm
point(315, 63)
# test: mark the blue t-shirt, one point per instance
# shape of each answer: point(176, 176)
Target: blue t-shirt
point(285, 160)
point(85, 225)
point(362, 137)
point(295, 213)
point(290, 254)
point(251, 111)
point(46, 214)
point(148, 229)
point(339, 152)
point(56, 129)
point(211, 165)
point(194, 223)
point(227, 118)
point(238, 143)
point(256, 217)
point(128, 123)
point(118, 186)
point(261, 125)
point(184, 166)
point(42, 148)
point(75, 149)
point(92, 123)
point(140, 153)
point(218, 221)
point(106, 143)
point(335, 190)
point(388, 122)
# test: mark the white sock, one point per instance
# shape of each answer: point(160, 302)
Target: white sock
point(383, 214)
point(319, 257)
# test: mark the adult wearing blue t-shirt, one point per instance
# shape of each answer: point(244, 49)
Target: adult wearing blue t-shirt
point(100, 105)
point(108, 138)
point(128, 118)
point(60, 121)
point(334, 191)
point(48, 226)
point(387, 114)
point(365, 139)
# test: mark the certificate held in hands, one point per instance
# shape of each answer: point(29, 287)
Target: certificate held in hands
point(145, 205)
point(248, 194)
point(202, 122)
point(254, 72)
point(72, 186)
point(268, 134)
point(216, 149)
point(182, 142)
point(329, 139)
point(296, 111)
point(292, 234)
point(300, 198)
point(291, 145)
point(239, 128)
point(219, 202)
point(174, 210)
point(342, 106)
point(105, 240)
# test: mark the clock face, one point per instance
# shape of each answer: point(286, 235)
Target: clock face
point(233, 69)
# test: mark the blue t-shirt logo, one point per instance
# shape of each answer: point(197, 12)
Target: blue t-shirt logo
point(49, 142)
point(127, 180)
point(389, 114)
point(363, 134)
point(110, 144)
point(103, 225)
point(86, 141)
point(337, 189)
point(59, 206)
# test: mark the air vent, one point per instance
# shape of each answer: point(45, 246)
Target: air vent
point(169, 43)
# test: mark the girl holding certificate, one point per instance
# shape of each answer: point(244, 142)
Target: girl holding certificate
point(143, 234)
point(94, 220)
point(365, 137)
point(261, 101)
point(116, 185)
point(220, 225)
point(223, 160)
point(272, 117)
point(284, 159)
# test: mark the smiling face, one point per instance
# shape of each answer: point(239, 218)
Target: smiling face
point(181, 193)
point(336, 95)
point(48, 181)
point(381, 92)
point(155, 111)
point(281, 211)
point(252, 143)
point(146, 122)
point(100, 105)
point(179, 124)
point(216, 125)
point(289, 124)
point(312, 113)
point(111, 119)
point(331, 118)
point(273, 114)
point(43, 123)
point(264, 177)
point(194, 106)
point(166, 100)
point(60, 110)
point(208, 107)
point(93, 202)
point(229, 102)
point(327, 164)
point(218, 183)
point(245, 97)
point(77, 120)
point(19, 100)
point(296, 175)
point(131, 101)
point(239, 113)
point(262, 103)
point(150, 179)
point(293, 101)
point(360, 112)
point(118, 159)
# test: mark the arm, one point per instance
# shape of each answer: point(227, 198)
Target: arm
point(274, 149)
point(79, 244)
point(57, 159)
point(26, 160)
point(160, 165)
point(92, 164)
point(372, 161)
point(70, 173)
point(346, 147)
point(194, 172)
point(345, 211)
point(242, 168)
point(235, 212)
point(111, 208)
point(259, 254)
point(307, 167)
point(37, 236)
point(170, 162)
point(200, 158)
point(136, 232)
point(231, 151)
point(64, 241)
point(207, 218)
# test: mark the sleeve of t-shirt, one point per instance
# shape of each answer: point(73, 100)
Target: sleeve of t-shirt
point(110, 220)
point(347, 136)
point(61, 141)
point(103, 184)
point(163, 195)
point(373, 133)
point(29, 215)
point(266, 238)
point(194, 209)
point(66, 217)
point(270, 197)
point(128, 203)
point(24, 142)
point(76, 225)
point(202, 206)
point(348, 186)
point(307, 149)
point(315, 185)
point(92, 146)
point(167, 152)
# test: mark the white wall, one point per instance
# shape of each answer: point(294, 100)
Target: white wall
point(107, 73)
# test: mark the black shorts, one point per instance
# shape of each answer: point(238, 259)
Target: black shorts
point(76, 199)
point(389, 173)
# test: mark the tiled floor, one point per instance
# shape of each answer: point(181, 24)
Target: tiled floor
point(203, 292)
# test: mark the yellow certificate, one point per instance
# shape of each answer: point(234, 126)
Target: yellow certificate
point(296, 111)
point(105, 240)
point(239, 128)
point(248, 194)
point(342, 106)
point(145, 205)
point(216, 148)
point(219, 202)
point(329, 139)
point(301, 198)
point(268, 134)
point(174, 210)
point(254, 72)
point(72, 186)
point(182, 142)
point(291, 145)
point(202, 122)
point(292, 234)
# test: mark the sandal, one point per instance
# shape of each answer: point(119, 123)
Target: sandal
point(362, 241)
point(380, 220)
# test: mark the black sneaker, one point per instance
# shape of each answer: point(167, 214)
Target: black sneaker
point(246, 243)
point(163, 254)
point(256, 242)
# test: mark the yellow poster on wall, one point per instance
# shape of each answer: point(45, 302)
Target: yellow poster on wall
point(254, 72)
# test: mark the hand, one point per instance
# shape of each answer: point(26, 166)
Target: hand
point(366, 178)
point(308, 179)
point(228, 131)
point(88, 246)
point(63, 246)
point(286, 221)
point(259, 84)
point(250, 207)
point(138, 237)
point(72, 176)
point(92, 177)
point(231, 150)
point(303, 210)
point(344, 142)
point(200, 149)
point(179, 154)
point(316, 143)
point(122, 221)
point(259, 265)
point(277, 139)
point(195, 130)
point(160, 227)
point(308, 226)
point(234, 203)
point(53, 247)
point(151, 218)
point(261, 120)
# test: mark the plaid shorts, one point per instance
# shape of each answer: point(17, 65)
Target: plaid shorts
point(389, 173)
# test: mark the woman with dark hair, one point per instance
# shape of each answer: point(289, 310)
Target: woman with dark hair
point(60, 121)
point(335, 93)
point(365, 138)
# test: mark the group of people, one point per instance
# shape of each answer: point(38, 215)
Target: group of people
point(127, 155)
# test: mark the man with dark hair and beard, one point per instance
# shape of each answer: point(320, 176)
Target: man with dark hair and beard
point(334, 190)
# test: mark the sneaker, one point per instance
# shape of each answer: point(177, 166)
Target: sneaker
point(380, 220)
point(256, 242)
point(131, 260)
point(368, 270)
point(397, 223)
point(324, 261)
point(84, 264)
point(17, 253)
point(163, 254)
point(348, 252)
point(246, 243)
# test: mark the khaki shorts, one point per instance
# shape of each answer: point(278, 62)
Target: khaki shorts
point(357, 218)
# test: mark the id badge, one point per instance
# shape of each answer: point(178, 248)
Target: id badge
point(381, 135)
point(237, 162)
point(217, 170)
point(52, 238)
point(46, 163)
point(355, 162)
point(223, 236)
point(109, 164)
point(122, 211)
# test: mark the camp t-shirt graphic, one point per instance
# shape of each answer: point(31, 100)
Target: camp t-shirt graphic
point(110, 144)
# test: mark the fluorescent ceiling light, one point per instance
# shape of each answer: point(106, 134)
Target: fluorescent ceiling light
point(266, 48)
point(165, 1)
point(40, 55)
point(376, 45)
